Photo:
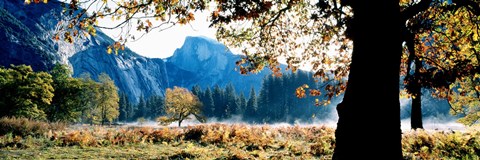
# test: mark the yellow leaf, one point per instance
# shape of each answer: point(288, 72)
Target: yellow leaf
point(28, 1)
point(45, 1)
point(475, 35)
point(109, 50)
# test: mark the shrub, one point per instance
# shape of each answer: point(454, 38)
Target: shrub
point(25, 127)
point(194, 133)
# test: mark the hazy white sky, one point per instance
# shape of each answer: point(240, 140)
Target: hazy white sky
point(162, 44)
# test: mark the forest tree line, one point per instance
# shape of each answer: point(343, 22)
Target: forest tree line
point(275, 102)
point(56, 96)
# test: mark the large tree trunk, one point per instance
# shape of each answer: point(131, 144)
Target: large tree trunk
point(372, 95)
point(416, 116)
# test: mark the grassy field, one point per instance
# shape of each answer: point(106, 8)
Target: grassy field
point(216, 141)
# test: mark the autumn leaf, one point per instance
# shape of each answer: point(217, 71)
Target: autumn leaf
point(475, 35)
point(300, 92)
point(315, 92)
point(109, 50)
point(149, 24)
point(56, 37)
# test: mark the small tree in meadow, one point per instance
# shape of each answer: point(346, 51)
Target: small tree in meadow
point(180, 103)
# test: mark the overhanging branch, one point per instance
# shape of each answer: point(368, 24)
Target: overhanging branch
point(415, 9)
point(469, 4)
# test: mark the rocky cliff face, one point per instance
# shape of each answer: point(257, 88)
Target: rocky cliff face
point(26, 34)
point(20, 45)
point(133, 74)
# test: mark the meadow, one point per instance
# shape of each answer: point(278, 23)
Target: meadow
point(25, 139)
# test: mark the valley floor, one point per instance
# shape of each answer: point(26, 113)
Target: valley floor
point(220, 141)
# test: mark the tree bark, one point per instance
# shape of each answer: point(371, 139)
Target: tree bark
point(372, 94)
point(416, 116)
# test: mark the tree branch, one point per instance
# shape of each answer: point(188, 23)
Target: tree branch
point(469, 4)
point(415, 9)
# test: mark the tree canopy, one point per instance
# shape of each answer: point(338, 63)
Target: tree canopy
point(25, 93)
point(56, 96)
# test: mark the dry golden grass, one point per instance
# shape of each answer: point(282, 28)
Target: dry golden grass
point(221, 141)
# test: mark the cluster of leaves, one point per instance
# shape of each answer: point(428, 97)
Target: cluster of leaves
point(56, 96)
point(330, 90)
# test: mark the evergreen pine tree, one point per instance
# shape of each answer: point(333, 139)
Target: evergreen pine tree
point(251, 109)
point(263, 100)
point(208, 103)
point(218, 96)
point(123, 107)
point(242, 103)
point(231, 99)
point(141, 108)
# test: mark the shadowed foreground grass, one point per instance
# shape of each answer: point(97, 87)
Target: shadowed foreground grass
point(219, 141)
